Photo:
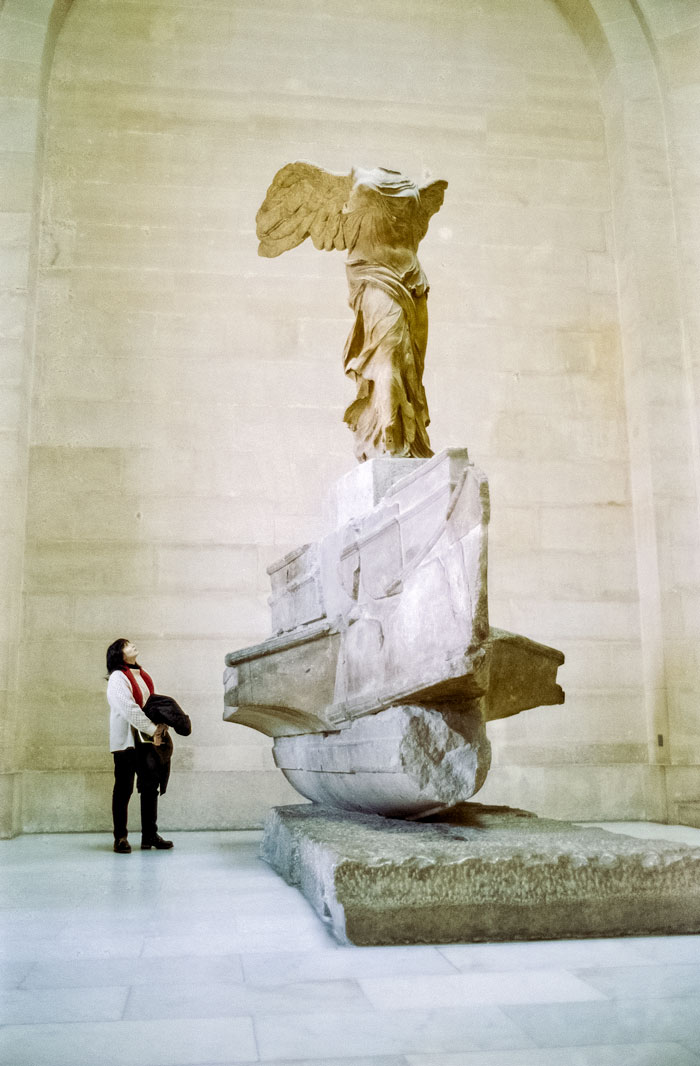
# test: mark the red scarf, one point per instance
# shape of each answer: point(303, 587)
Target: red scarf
point(134, 684)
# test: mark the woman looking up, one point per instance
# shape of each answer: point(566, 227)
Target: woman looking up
point(131, 732)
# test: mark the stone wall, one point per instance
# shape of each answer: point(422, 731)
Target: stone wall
point(28, 30)
point(675, 33)
point(188, 396)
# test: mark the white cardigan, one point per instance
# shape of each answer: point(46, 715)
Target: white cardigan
point(124, 711)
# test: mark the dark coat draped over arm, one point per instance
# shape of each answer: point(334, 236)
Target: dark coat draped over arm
point(163, 710)
point(156, 757)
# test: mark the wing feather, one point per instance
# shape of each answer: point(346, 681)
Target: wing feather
point(431, 200)
point(303, 201)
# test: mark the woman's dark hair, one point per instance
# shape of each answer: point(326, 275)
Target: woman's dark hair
point(115, 655)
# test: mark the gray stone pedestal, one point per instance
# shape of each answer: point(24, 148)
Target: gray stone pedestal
point(498, 875)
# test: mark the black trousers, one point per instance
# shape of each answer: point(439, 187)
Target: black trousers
point(127, 766)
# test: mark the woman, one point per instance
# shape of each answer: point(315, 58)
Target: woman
point(131, 733)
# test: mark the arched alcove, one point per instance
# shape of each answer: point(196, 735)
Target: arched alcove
point(28, 34)
point(188, 396)
point(642, 55)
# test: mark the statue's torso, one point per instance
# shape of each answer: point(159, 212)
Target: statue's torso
point(388, 230)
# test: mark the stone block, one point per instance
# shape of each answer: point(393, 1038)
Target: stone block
point(689, 813)
point(285, 685)
point(480, 874)
point(10, 805)
point(387, 617)
point(13, 308)
point(12, 361)
point(50, 613)
point(36, 11)
point(559, 483)
point(80, 801)
point(297, 596)
point(65, 566)
point(574, 183)
point(16, 180)
point(564, 620)
point(21, 38)
point(360, 490)
point(215, 567)
point(518, 267)
point(78, 469)
point(15, 229)
point(404, 760)
point(623, 792)
point(585, 529)
point(18, 123)
point(18, 78)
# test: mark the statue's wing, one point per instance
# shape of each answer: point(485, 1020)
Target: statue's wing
point(431, 199)
point(303, 201)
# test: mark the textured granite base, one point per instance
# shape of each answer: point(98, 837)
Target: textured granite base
point(480, 873)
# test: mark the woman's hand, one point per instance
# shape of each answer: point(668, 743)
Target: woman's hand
point(160, 734)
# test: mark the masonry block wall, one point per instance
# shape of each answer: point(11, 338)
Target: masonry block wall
point(27, 34)
point(187, 396)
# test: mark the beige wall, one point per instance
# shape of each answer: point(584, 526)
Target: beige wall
point(675, 30)
point(28, 30)
point(188, 396)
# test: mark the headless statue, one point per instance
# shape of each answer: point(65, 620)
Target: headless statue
point(380, 218)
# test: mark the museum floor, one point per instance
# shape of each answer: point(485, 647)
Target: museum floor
point(202, 955)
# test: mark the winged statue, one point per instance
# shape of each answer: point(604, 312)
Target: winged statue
point(379, 217)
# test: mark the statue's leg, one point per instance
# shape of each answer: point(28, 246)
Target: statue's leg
point(420, 340)
point(420, 445)
point(375, 415)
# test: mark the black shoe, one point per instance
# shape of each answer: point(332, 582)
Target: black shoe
point(156, 842)
point(122, 846)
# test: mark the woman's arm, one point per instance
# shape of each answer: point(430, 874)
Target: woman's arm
point(121, 701)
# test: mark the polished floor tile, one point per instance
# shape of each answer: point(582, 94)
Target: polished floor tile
point(642, 982)
point(179, 1043)
point(278, 968)
point(672, 949)
point(526, 986)
point(39, 1005)
point(385, 1032)
point(14, 972)
point(73, 946)
point(624, 1021)
point(363, 1060)
point(217, 1000)
point(86, 973)
point(678, 834)
point(545, 954)
point(204, 957)
point(599, 1055)
point(315, 937)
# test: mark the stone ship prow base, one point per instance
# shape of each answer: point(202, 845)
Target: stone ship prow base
point(383, 669)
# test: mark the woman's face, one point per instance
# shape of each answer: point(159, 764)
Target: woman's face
point(130, 652)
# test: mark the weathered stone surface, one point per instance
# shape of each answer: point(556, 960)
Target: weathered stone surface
point(389, 608)
point(365, 486)
point(297, 597)
point(402, 761)
point(387, 614)
point(499, 875)
point(284, 685)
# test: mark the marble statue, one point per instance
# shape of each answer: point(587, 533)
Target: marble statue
point(380, 218)
point(382, 670)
